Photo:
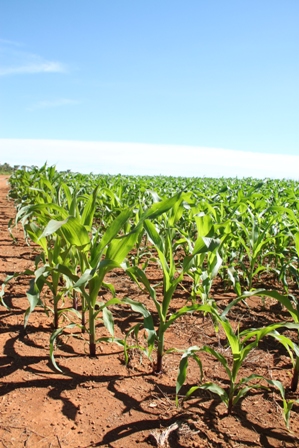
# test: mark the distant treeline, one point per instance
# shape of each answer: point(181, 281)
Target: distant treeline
point(5, 168)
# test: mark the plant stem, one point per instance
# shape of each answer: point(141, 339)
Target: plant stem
point(92, 331)
point(294, 382)
point(56, 315)
point(230, 400)
point(75, 301)
point(83, 320)
point(160, 351)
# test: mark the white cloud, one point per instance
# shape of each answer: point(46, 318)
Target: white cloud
point(18, 62)
point(147, 159)
point(31, 68)
point(53, 103)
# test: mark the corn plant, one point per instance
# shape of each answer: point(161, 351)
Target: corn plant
point(204, 266)
point(172, 277)
point(63, 241)
point(240, 345)
point(293, 309)
point(287, 405)
point(106, 253)
point(254, 238)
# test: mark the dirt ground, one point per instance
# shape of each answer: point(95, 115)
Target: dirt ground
point(100, 402)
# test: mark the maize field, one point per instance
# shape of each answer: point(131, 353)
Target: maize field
point(148, 311)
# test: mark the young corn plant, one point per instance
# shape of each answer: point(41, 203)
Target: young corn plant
point(293, 309)
point(240, 344)
point(204, 266)
point(103, 256)
point(67, 235)
point(106, 253)
point(172, 277)
point(287, 405)
point(64, 242)
point(254, 238)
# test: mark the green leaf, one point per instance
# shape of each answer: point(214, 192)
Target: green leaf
point(108, 321)
point(35, 233)
point(85, 277)
point(154, 235)
point(204, 225)
point(233, 340)
point(89, 209)
point(278, 384)
point(159, 208)
point(188, 309)
point(182, 373)
point(75, 233)
point(181, 378)
point(119, 248)
point(241, 393)
point(53, 338)
point(202, 245)
point(147, 321)
point(33, 296)
point(118, 224)
point(67, 193)
point(221, 358)
point(215, 389)
point(52, 227)
point(205, 244)
point(296, 237)
point(284, 300)
point(138, 276)
point(191, 391)
point(216, 265)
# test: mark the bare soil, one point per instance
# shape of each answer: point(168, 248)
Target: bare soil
point(101, 402)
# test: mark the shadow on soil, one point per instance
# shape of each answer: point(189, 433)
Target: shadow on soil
point(14, 361)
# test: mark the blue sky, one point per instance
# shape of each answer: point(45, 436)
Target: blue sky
point(174, 76)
